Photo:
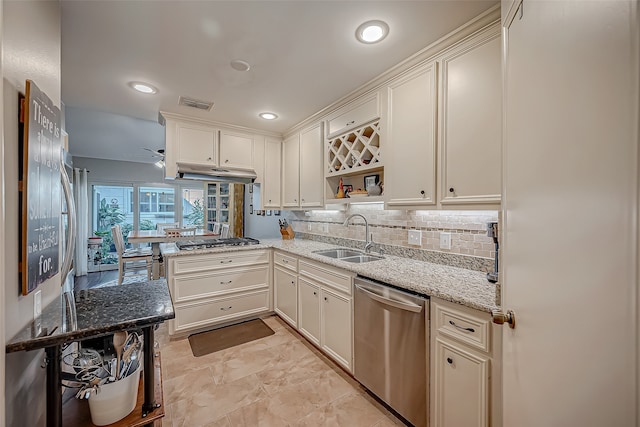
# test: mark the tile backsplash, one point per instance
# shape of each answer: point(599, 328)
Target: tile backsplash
point(470, 246)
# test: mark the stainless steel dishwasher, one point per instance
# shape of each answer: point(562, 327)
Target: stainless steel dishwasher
point(391, 357)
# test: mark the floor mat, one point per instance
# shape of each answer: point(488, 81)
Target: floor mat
point(230, 336)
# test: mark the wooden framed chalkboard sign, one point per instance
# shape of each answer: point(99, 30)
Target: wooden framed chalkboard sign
point(41, 191)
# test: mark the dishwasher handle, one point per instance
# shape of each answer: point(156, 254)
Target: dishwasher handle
point(415, 308)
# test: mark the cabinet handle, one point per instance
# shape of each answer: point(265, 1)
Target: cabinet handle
point(225, 308)
point(452, 323)
point(350, 123)
point(226, 261)
point(284, 261)
point(451, 190)
point(227, 282)
point(449, 361)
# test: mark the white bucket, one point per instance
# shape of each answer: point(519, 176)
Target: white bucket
point(115, 400)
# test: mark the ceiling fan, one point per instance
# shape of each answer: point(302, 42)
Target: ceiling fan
point(157, 153)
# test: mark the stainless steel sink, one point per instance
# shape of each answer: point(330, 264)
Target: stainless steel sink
point(339, 253)
point(349, 255)
point(362, 258)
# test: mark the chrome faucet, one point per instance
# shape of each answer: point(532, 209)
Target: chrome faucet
point(368, 240)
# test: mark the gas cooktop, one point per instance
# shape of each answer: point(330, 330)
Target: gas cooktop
point(189, 245)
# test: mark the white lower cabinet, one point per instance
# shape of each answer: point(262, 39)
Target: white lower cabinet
point(286, 295)
point(212, 289)
point(309, 308)
point(465, 367)
point(336, 327)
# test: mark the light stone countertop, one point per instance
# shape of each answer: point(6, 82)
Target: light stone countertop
point(466, 287)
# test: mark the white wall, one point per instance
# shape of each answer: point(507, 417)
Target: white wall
point(259, 227)
point(112, 171)
point(2, 229)
point(31, 50)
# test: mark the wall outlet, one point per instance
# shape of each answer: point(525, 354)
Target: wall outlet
point(325, 227)
point(415, 237)
point(445, 240)
point(37, 304)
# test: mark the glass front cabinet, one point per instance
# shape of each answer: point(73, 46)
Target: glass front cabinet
point(219, 204)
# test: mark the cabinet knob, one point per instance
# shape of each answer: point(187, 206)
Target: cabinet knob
point(226, 160)
point(209, 158)
point(449, 361)
point(225, 308)
point(351, 122)
point(452, 190)
point(422, 192)
point(325, 298)
point(269, 200)
point(295, 200)
point(293, 283)
point(315, 293)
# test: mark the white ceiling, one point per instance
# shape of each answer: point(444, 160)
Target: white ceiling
point(303, 57)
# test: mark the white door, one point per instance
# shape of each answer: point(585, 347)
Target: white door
point(196, 144)
point(311, 167)
point(272, 171)
point(236, 150)
point(570, 214)
point(291, 172)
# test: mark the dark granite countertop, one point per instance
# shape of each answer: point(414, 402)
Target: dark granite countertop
point(99, 312)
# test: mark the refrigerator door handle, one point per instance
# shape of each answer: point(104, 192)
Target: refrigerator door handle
point(71, 235)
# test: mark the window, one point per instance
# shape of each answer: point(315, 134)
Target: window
point(156, 205)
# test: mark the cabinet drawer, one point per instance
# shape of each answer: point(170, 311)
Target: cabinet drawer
point(464, 324)
point(354, 115)
point(286, 261)
point(189, 316)
point(329, 276)
point(198, 263)
point(191, 286)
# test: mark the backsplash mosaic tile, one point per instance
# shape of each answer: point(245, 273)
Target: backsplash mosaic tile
point(471, 248)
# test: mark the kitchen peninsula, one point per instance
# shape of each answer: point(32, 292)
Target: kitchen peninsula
point(99, 312)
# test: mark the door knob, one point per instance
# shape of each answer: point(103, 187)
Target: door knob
point(500, 318)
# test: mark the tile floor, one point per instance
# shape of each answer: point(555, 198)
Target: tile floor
point(277, 381)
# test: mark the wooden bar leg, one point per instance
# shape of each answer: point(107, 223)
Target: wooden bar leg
point(54, 392)
point(149, 381)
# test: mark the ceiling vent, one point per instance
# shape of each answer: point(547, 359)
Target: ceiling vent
point(195, 103)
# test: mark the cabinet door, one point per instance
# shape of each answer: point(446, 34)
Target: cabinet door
point(461, 394)
point(336, 327)
point(272, 170)
point(291, 172)
point(236, 150)
point(410, 156)
point(353, 115)
point(196, 144)
point(286, 295)
point(311, 167)
point(471, 124)
point(309, 310)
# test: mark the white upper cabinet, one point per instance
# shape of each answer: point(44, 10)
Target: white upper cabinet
point(236, 150)
point(196, 144)
point(470, 122)
point(311, 162)
point(410, 156)
point(291, 172)
point(272, 174)
point(353, 114)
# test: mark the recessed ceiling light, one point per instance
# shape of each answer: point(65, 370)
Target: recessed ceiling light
point(240, 65)
point(268, 116)
point(372, 31)
point(143, 87)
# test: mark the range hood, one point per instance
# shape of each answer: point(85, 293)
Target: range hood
point(220, 174)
